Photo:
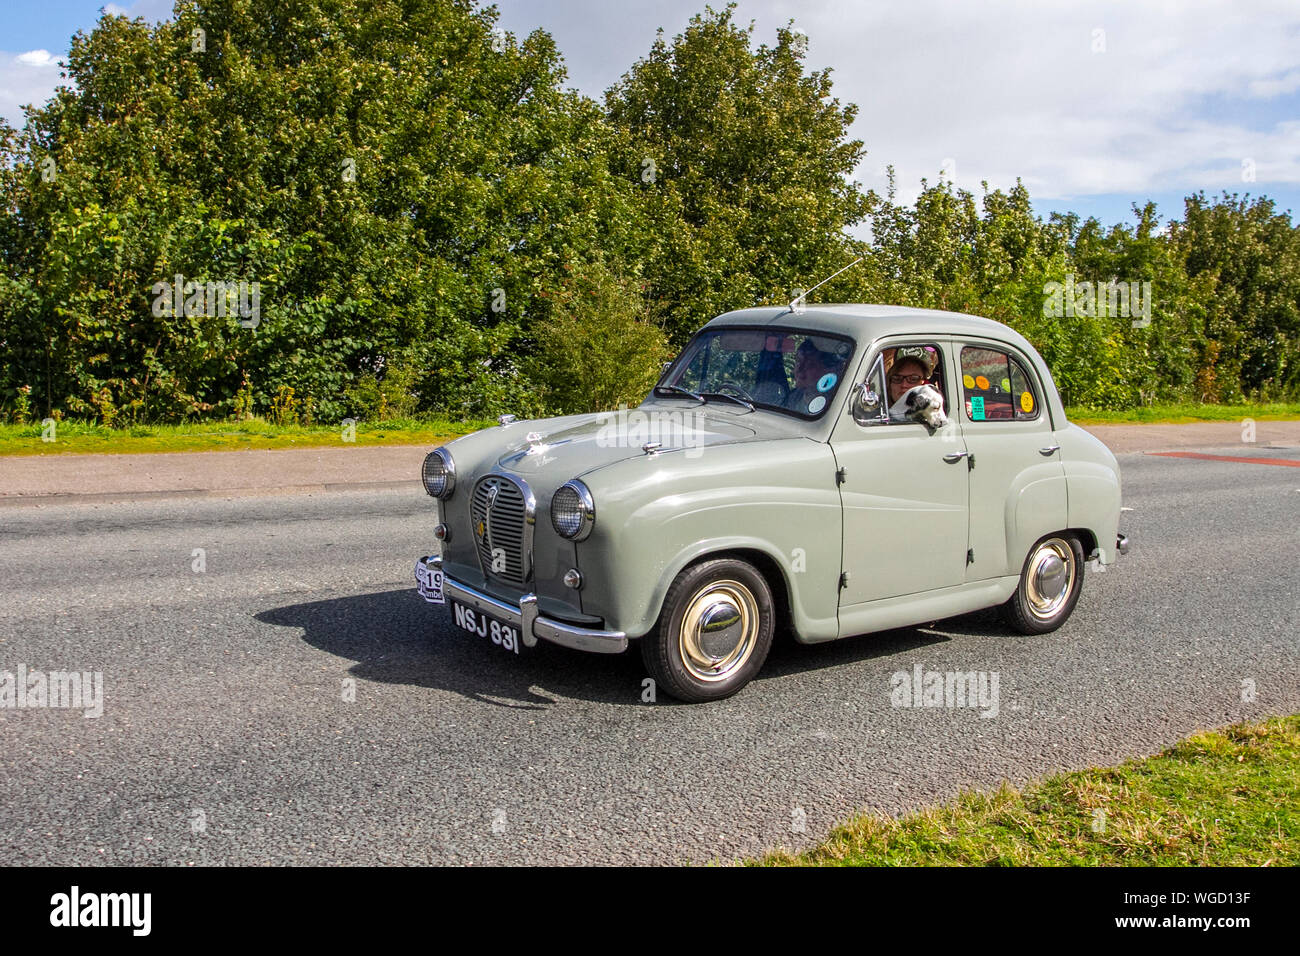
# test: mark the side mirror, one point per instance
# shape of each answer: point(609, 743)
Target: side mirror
point(867, 405)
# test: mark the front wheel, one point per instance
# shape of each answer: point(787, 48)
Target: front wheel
point(1049, 587)
point(713, 633)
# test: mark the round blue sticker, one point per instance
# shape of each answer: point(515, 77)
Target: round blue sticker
point(827, 382)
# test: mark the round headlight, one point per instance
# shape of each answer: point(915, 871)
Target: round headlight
point(572, 511)
point(439, 473)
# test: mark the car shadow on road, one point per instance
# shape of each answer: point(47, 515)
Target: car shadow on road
point(394, 637)
point(789, 657)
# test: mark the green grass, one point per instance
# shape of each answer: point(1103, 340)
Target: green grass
point(1225, 798)
point(1179, 414)
point(80, 438)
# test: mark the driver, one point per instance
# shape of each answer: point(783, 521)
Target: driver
point(911, 367)
point(810, 365)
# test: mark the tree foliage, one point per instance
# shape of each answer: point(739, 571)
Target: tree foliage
point(744, 162)
point(435, 223)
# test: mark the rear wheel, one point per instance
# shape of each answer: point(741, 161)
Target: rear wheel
point(1049, 588)
point(713, 633)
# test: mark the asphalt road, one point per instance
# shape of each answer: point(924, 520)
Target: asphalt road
point(227, 736)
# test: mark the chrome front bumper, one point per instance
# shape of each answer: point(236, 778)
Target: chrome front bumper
point(525, 616)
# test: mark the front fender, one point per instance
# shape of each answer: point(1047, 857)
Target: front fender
point(658, 514)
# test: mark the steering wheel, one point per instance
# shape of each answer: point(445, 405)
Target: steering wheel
point(722, 387)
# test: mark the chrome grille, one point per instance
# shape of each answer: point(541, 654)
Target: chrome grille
point(502, 510)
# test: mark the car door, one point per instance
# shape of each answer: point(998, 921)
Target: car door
point(1017, 481)
point(903, 490)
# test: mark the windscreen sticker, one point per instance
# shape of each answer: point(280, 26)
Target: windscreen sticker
point(968, 381)
point(827, 382)
point(977, 408)
point(982, 382)
point(817, 404)
point(1026, 402)
point(1006, 385)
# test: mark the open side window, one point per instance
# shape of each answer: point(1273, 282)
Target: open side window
point(896, 370)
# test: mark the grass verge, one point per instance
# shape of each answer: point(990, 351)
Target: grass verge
point(80, 438)
point(1182, 414)
point(1222, 798)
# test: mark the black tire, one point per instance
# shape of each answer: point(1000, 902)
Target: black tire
point(1037, 607)
point(709, 593)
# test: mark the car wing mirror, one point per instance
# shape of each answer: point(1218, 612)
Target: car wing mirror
point(867, 404)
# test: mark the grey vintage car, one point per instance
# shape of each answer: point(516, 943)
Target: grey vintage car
point(832, 470)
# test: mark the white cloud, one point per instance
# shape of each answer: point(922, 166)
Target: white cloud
point(113, 10)
point(1013, 88)
point(35, 58)
point(1278, 86)
point(25, 78)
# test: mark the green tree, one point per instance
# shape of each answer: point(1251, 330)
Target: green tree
point(400, 179)
point(742, 161)
point(1245, 257)
point(600, 348)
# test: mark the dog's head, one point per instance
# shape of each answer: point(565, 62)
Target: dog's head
point(922, 403)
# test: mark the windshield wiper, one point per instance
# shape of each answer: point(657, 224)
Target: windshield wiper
point(682, 391)
point(735, 398)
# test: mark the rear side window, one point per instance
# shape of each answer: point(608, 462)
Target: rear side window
point(996, 386)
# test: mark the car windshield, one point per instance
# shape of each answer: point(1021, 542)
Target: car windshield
point(786, 370)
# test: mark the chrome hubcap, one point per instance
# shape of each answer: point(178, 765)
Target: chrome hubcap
point(1050, 578)
point(719, 630)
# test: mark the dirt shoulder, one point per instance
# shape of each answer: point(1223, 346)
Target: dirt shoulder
point(206, 473)
point(106, 477)
point(1125, 439)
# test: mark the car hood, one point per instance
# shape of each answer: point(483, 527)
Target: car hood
point(575, 445)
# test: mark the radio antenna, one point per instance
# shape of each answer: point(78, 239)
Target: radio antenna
point(796, 304)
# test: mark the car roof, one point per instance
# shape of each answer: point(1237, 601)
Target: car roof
point(868, 322)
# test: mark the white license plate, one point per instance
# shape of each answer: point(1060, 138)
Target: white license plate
point(428, 581)
point(505, 636)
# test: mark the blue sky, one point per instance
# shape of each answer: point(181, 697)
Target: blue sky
point(1095, 105)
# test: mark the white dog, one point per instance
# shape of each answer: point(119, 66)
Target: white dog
point(922, 403)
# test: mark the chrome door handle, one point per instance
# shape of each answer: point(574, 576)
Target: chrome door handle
point(955, 456)
point(1049, 450)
